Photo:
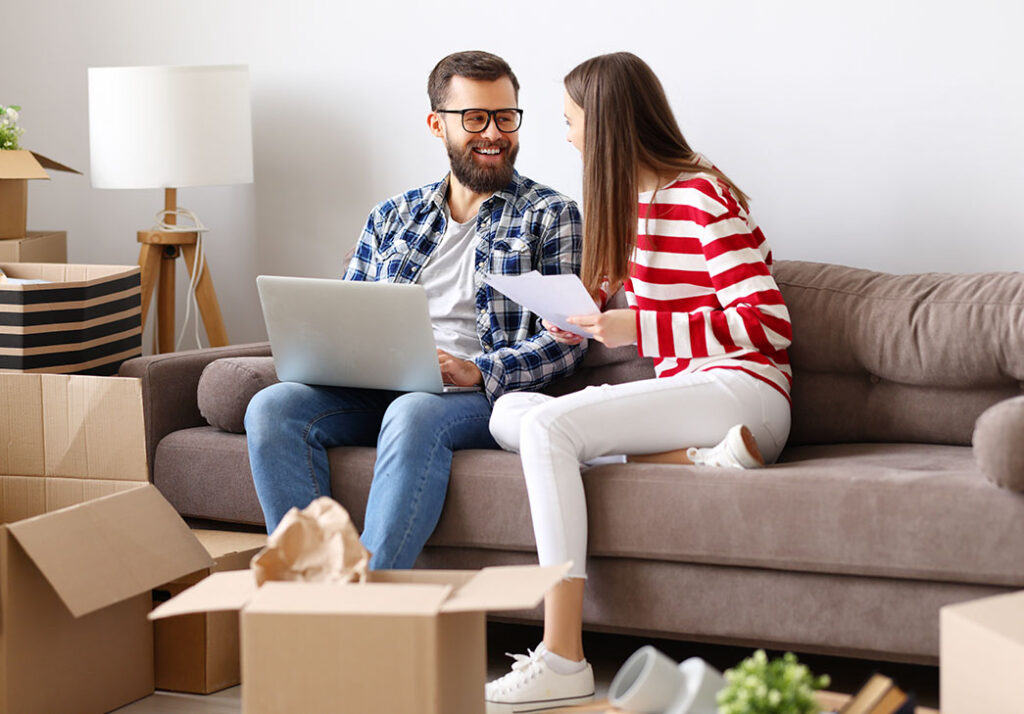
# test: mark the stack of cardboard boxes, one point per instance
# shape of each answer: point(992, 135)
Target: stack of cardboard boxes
point(17, 244)
point(86, 543)
point(84, 538)
point(71, 319)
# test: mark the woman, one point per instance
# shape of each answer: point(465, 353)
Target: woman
point(673, 231)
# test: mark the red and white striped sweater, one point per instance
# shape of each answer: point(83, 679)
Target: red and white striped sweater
point(700, 282)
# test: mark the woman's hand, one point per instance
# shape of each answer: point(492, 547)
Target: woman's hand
point(560, 335)
point(613, 328)
point(460, 372)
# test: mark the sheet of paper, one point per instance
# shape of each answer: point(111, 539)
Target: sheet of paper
point(553, 297)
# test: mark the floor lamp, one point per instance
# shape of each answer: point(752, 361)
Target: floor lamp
point(171, 128)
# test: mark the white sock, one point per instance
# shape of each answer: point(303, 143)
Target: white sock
point(561, 665)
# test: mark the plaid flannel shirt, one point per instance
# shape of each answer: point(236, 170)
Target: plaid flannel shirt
point(524, 227)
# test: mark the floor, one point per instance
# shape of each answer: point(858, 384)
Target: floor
point(606, 653)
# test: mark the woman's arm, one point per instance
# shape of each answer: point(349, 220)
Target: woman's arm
point(750, 314)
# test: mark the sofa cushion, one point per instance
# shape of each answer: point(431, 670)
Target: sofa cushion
point(890, 510)
point(227, 385)
point(920, 512)
point(998, 436)
point(899, 358)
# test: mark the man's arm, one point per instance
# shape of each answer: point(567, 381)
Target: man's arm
point(534, 362)
point(360, 266)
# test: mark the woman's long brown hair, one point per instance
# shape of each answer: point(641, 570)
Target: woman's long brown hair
point(628, 123)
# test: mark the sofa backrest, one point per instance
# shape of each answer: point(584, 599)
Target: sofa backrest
point(879, 357)
point(904, 358)
point(876, 357)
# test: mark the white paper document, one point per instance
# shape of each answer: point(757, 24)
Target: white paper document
point(553, 297)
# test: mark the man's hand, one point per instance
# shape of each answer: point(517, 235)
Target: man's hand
point(613, 328)
point(560, 335)
point(460, 372)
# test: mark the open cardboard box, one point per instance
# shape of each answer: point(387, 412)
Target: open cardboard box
point(83, 540)
point(84, 319)
point(981, 651)
point(200, 653)
point(17, 168)
point(406, 641)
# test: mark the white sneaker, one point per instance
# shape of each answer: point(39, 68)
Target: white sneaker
point(737, 450)
point(532, 686)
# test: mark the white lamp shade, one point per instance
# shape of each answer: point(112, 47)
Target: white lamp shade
point(169, 127)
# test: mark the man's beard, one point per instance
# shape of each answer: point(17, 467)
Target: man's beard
point(483, 179)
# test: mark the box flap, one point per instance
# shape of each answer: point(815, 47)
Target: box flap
point(349, 598)
point(20, 164)
point(53, 165)
point(224, 543)
point(230, 590)
point(512, 587)
point(230, 550)
point(455, 578)
point(107, 550)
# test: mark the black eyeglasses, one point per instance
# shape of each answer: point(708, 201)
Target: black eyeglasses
point(475, 121)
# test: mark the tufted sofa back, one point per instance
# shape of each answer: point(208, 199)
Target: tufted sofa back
point(876, 357)
point(899, 358)
point(879, 357)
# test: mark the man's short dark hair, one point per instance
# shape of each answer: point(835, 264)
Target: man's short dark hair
point(474, 64)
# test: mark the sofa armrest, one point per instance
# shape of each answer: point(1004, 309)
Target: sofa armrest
point(169, 387)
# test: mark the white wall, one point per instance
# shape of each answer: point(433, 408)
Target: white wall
point(885, 135)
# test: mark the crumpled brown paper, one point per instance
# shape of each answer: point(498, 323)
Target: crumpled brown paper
point(316, 544)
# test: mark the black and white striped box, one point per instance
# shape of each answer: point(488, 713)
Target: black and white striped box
point(84, 319)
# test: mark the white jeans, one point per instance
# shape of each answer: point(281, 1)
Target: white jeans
point(554, 434)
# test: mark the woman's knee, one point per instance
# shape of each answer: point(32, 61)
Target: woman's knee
point(548, 425)
point(508, 414)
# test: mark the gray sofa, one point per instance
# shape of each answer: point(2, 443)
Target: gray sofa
point(878, 513)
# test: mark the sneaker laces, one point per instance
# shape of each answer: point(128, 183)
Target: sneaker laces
point(524, 668)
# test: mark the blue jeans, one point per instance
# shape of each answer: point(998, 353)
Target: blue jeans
point(290, 426)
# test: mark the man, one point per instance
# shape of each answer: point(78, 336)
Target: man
point(483, 217)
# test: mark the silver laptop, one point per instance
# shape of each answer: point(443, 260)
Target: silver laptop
point(344, 333)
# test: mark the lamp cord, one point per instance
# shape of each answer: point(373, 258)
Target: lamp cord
point(190, 299)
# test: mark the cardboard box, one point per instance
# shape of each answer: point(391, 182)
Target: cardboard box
point(200, 653)
point(17, 168)
point(981, 655)
point(86, 320)
point(83, 540)
point(35, 247)
point(407, 641)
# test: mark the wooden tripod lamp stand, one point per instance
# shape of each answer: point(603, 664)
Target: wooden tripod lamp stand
point(170, 128)
point(157, 257)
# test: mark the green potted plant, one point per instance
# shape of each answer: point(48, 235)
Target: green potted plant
point(758, 685)
point(9, 129)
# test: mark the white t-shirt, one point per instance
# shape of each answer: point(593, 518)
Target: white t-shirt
point(451, 290)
